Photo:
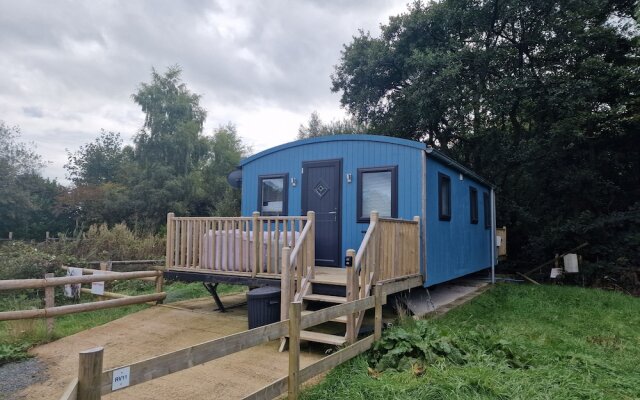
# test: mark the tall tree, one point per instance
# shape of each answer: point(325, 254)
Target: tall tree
point(226, 151)
point(97, 162)
point(172, 129)
point(539, 96)
point(26, 198)
point(316, 127)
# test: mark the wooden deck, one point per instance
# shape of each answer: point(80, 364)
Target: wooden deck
point(280, 251)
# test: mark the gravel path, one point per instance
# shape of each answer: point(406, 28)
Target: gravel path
point(18, 375)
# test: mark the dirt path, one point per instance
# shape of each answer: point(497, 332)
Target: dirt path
point(157, 330)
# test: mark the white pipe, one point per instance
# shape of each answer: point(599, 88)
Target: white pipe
point(493, 236)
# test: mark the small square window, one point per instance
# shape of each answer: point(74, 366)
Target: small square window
point(377, 191)
point(444, 197)
point(272, 194)
point(473, 204)
point(486, 203)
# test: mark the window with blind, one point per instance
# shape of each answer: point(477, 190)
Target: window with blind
point(272, 194)
point(377, 191)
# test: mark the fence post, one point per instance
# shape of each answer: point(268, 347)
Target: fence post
point(416, 248)
point(10, 235)
point(285, 287)
point(352, 294)
point(311, 215)
point(374, 247)
point(46, 237)
point(49, 301)
point(294, 350)
point(377, 330)
point(256, 244)
point(90, 373)
point(170, 240)
point(159, 284)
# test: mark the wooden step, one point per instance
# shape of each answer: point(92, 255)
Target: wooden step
point(328, 281)
point(323, 338)
point(341, 319)
point(325, 298)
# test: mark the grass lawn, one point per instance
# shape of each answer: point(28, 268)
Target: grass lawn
point(513, 342)
point(16, 337)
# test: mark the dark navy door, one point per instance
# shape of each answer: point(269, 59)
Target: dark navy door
point(321, 192)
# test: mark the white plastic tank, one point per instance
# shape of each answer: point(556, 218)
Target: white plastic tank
point(571, 263)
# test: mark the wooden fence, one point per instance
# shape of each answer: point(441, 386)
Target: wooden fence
point(92, 382)
point(239, 245)
point(107, 299)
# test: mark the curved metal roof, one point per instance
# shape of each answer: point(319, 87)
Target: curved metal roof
point(371, 138)
point(335, 138)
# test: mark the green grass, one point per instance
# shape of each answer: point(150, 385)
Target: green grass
point(16, 337)
point(513, 342)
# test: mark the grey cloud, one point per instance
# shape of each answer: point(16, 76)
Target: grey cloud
point(32, 111)
point(73, 65)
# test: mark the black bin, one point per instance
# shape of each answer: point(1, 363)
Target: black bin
point(264, 306)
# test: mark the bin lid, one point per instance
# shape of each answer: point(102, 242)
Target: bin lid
point(265, 291)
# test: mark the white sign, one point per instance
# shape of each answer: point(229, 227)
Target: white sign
point(120, 378)
point(97, 287)
point(73, 290)
point(555, 272)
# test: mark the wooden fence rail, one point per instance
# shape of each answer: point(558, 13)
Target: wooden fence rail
point(152, 368)
point(50, 282)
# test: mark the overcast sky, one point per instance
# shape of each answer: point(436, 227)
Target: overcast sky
point(69, 67)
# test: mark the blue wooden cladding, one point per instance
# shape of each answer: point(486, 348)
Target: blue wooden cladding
point(453, 248)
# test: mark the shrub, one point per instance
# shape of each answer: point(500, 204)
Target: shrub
point(117, 243)
point(23, 261)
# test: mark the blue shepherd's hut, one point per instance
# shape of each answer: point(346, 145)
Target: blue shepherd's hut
point(343, 178)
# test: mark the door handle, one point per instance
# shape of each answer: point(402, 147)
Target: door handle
point(333, 212)
point(335, 215)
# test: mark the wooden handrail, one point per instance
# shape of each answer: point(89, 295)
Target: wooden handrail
point(365, 241)
point(299, 244)
point(294, 281)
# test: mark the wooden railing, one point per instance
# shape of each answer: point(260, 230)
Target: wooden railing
point(389, 250)
point(298, 267)
point(92, 382)
point(49, 283)
point(239, 245)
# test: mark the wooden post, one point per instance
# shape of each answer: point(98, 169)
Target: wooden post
point(46, 237)
point(90, 373)
point(311, 215)
point(352, 294)
point(10, 235)
point(294, 350)
point(377, 330)
point(373, 219)
point(170, 239)
point(104, 265)
point(256, 242)
point(416, 250)
point(159, 286)
point(49, 301)
point(284, 283)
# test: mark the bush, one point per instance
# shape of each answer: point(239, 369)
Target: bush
point(117, 243)
point(23, 261)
